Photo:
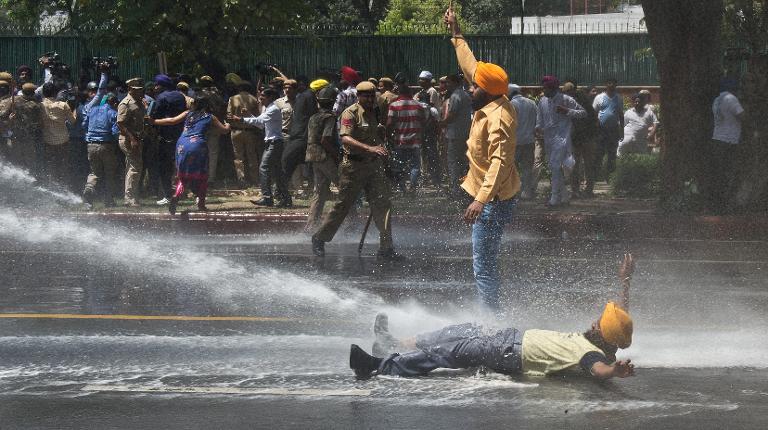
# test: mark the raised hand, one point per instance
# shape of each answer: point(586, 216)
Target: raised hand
point(627, 267)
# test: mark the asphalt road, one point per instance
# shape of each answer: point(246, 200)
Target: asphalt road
point(106, 328)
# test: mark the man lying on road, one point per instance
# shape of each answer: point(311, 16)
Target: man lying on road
point(508, 351)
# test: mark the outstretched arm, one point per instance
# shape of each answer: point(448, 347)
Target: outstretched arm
point(219, 125)
point(626, 269)
point(170, 121)
point(619, 369)
point(466, 58)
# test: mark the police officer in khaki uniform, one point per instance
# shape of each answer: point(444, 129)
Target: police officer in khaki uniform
point(362, 169)
point(247, 142)
point(130, 120)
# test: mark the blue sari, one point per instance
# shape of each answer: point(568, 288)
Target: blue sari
point(192, 154)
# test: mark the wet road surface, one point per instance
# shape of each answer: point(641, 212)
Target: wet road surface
point(699, 308)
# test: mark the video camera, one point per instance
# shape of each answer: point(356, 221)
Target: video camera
point(108, 63)
point(52, 61)
point(265, 68)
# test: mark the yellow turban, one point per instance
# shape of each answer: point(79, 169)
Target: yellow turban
point(491, 78)
point(318, 84)
point(616, 326)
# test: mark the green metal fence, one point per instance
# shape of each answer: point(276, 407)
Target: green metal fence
point(588, 58)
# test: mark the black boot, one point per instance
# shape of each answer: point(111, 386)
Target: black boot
point(172, 205)
point(363, 364)
point(385, 344)
point(390, 255)
point(264, 201)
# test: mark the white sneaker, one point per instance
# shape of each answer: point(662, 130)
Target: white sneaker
point(163, 202)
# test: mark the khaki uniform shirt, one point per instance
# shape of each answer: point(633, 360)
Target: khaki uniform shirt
point(130, 113)
point(5, 113)
point(491, 144)
point(321, 125)
point(56, 115)
point(361, 125)
point(28, 121)
point(385, 99)
point(286, 110)
point(243, 104)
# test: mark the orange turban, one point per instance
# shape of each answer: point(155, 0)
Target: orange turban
point(616, 326)
point(491, 78)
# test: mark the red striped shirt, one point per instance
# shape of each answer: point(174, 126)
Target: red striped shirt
point(407, 116)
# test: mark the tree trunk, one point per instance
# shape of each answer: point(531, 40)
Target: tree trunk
point(685, 37)
point(753, 182)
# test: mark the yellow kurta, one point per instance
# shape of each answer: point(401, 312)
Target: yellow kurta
point(546, 352)
point(491, 144)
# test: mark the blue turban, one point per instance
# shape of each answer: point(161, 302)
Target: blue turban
point(164, 81)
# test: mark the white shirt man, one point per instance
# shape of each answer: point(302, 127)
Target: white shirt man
point(527, 111)
point(556, 110)
point(727, 111)
point(639, 125)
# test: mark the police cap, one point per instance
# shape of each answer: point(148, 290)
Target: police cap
point(365, 87)
point(135, 83)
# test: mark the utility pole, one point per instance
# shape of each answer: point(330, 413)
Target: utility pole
point(522, 17)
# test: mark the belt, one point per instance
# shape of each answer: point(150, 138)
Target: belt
point(361, 158)
point(271, 141)
point(100, 142)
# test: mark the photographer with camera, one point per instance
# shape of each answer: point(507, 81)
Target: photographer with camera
point(92, 96)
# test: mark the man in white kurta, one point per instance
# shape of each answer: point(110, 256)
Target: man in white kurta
point(556, 110)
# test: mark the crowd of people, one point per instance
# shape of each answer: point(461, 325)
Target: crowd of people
point(87, 135)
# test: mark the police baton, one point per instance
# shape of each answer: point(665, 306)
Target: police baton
point(365, 232)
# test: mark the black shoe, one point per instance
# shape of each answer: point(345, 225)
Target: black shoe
point(172, 205)
point(318, 247)
point(285, 203)
point(389, 255)
point(264, 201)
point(363, 364)
point(385, 344)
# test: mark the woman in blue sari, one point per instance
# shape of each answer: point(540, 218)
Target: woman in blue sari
point(192, 151)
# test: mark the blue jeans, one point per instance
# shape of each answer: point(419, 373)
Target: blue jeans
point(459, 347)
point(406, 161)
point(486, 244)
point(271, 169)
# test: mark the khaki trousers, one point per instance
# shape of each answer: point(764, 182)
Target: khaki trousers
point(248, 147)
point(102, 158)
point(133, 166)
point(354, 177)
point(325, 172)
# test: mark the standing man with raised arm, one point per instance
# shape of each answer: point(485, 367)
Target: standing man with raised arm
point(492, 181)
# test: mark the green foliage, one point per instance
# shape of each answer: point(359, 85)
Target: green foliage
point(491, 16)
point(415, 17)
point(637, 175)
point(347, 16)
point(200, 35)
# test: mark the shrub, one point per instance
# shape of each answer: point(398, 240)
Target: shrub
point(637, 175)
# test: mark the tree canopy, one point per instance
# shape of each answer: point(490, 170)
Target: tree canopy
point(193, 33)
